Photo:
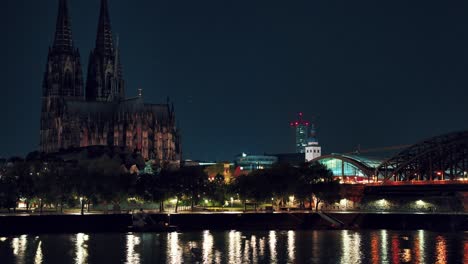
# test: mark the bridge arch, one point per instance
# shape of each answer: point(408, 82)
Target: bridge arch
point(441, 157)
point(349, 166)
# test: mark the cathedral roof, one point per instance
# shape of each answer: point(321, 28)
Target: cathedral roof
point(107, 110)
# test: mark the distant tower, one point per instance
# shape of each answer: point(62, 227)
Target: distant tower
point(313, 149)
point(105, 81)
point(302, 132)
point(63, 80)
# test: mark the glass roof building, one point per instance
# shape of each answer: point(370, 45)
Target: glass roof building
point(352, 167)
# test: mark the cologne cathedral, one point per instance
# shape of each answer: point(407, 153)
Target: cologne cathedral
point(76, 114)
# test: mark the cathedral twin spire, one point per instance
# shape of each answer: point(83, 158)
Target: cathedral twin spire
point(104, 40)
point(63, 33)
point(104, 82)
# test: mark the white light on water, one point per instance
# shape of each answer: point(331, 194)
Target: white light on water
point(207, 247)
point(133, 257)
point(174, 252)
point(81, 248)
point(39, 257)
point(351, 247)
point(384, 244)
point(272, 244)
point(291, 246)
point(235, 247)
point(19, 245)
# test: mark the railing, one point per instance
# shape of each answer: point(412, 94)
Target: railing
point(433, 182)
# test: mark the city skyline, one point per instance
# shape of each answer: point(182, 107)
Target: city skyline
point(239, 72)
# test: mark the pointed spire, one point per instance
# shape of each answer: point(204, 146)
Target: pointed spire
point(63, 33)
point(104, 41)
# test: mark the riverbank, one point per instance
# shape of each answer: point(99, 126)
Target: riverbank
point(94, 223)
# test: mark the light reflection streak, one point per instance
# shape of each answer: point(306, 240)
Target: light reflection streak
point(207, 247)
point(39, 257)
point(357, 248)
point(81, 248)
point(19, 248)
point(272, 245)
point(234, 247)
point(351, 252)
point(253, 245)
point(419, 244)
point(132, 256)
point(395, 249)
point(345, 245)
point(315, 245)
point(406, 256)
point(374, 248)
point(441, 250)
point(465, 252)
point(217, 257)
point(3, 239)
point(291, 248)
point(174, 252)
point(246, 255)
point(262, 246)
point(384, 245)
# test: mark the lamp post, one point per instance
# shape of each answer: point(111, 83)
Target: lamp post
point(82, 205)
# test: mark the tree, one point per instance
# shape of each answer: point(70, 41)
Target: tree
point(317, 182)
point(8, 191)
point(189, 181)
point(217, 189)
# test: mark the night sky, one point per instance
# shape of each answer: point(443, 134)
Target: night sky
point(374, 73)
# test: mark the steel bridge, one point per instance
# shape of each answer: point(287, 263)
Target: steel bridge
point(442, 157)
point(434, 160)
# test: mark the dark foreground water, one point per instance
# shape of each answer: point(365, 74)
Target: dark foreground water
point(348, 247)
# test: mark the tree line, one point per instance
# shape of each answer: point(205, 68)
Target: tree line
point(109, 179)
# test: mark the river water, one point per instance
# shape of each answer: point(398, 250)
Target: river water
point(379, 246)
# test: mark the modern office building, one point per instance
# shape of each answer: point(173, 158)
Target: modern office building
point(301, 127)
point(247, 162)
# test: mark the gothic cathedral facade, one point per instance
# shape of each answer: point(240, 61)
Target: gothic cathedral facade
point(75, 114)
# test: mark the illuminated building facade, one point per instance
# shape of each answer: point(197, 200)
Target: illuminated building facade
point(255, 162)
point(313, 150)
point(302, 132)
point(101, 116)
point(350, 168)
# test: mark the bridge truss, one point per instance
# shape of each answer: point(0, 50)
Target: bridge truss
point(443, 157)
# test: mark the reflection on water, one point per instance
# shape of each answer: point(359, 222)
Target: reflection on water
point(419, 249)
point(81, 248)
point(441, 250)
point(19, 245)
point(207, 247)
point(253, 245)
point(465, 252)
point(272, 244)
point(375, 248)
point(291, 246)
point(38, 257)
point(240, 247)
point(384, 245)
point(351, 246)
point(234, 247)
point(133, 257)
point(174, 252)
